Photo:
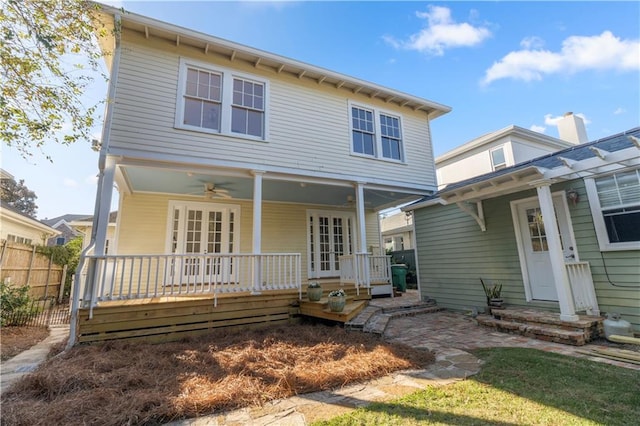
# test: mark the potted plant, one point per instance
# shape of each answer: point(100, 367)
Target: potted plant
point(314, 291)
point(337, 300)
point(493, 294)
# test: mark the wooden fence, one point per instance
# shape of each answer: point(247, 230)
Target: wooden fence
point(21, 264)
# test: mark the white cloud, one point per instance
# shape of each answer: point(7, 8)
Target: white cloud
point(550, 120)
point(532, 43)
point(619, 111)
point(69, 183)
point(91, 180)
point(600, 52)
point(536, 128)
point(441, 33)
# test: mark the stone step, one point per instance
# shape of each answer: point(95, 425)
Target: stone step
point(362, 318)
point(549, 333)
point(411, 310)
point(528, 316)
point(377, 324)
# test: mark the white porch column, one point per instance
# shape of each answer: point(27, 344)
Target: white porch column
point(362, 231)
point(257, 229)
point(560, 276)
point(101, 222)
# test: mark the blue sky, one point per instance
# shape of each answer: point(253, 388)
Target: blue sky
point(495, 63)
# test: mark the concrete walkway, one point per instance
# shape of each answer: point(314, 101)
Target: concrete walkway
point(13, 369)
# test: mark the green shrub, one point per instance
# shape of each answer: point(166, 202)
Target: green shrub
point(15, 304)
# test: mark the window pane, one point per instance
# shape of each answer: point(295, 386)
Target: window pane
point(255, 126)
point(623, 225)
point(497, 157)
point(211, 115)
point(192, 112)
point(192, 82)
point(368, 144)
point(238, 120)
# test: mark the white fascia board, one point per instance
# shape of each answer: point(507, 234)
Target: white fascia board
point(427, 203)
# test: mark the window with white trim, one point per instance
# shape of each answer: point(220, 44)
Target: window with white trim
point(376, 134)
point(221, 101)
point(18, 239)
point(615, 206)
point(498, 159)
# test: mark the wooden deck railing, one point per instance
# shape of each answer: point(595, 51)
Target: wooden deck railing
point(124, 277)
point(363, 269)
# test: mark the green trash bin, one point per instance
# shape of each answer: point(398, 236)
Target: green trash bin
point(399, 277)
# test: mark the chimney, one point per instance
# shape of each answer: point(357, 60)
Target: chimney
point(571, 129)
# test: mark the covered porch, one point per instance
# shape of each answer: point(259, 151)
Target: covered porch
point(188, 233)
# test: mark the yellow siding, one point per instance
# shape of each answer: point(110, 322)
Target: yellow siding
point(143, 226)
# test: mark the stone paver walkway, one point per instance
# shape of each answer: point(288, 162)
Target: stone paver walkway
point(13, 369)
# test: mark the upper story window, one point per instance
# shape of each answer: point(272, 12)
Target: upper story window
point(221, 101)
point(615, 207)
point(376, 134)
point(498, 159)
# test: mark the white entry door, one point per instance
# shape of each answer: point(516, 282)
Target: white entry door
point(533, 247)
point(330, 236)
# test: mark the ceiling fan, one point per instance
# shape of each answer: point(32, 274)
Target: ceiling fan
point(212, 191)
point(351, 202)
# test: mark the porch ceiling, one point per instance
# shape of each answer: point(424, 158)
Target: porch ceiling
point(275, 188)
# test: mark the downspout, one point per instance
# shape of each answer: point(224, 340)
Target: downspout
point(102, 160)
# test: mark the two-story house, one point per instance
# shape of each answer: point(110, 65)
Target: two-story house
point(242, 175)
point(505, 148)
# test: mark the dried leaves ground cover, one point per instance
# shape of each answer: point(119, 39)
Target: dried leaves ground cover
point(14, 340)
point(122, 382)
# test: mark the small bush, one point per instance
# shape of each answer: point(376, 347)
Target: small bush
point(15, 302)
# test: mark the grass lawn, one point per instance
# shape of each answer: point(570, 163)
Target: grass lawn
point(131, 383)
point(517, 387)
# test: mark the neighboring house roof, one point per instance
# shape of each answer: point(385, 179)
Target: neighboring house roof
point(88, 220)
point(579, 161)
point(67, 218)
point(8, 212)
point(529, 135)
point(265, 60)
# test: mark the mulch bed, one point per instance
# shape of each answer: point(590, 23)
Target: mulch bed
point(14, 340)
point(124, 382)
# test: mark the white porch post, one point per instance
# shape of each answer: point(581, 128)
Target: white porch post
point(560, 276)
point(362, 231)
point(257, 230)
point(105, 206)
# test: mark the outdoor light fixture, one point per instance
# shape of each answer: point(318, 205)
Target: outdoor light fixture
point(573, 196)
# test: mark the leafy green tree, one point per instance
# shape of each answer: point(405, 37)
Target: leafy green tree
point(18, 196)
point(48, 57)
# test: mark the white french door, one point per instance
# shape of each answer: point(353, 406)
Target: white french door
point(200, 229)
point(330, 235)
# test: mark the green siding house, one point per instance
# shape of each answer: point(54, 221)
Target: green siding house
point(560, 232)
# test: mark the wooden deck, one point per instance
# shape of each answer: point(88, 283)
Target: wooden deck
point(176, 317)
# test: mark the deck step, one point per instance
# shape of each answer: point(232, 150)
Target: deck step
point(321, 309)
